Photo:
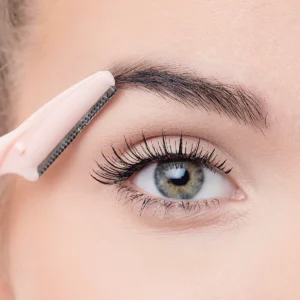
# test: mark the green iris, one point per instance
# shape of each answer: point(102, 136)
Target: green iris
point(179, 180)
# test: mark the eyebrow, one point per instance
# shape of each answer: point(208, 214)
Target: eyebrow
point(192, 90)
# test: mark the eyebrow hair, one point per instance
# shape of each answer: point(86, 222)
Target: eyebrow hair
point(185, 86)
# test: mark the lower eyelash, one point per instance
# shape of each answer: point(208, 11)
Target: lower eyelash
point(163, 207)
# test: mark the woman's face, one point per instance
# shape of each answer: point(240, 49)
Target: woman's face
point(141, 236)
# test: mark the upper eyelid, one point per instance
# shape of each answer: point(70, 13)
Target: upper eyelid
point(119, 166)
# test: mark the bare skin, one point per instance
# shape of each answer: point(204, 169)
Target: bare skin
point(69, 238)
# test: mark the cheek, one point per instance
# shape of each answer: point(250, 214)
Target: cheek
point(65, 243)
point(77, 246)
point(73, 247)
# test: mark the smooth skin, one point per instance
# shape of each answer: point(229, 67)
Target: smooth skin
point(66, 236)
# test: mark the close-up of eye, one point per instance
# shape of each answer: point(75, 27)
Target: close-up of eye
point(169, 176)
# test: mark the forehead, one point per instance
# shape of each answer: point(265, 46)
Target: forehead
point(189, 26)
point(184, 24)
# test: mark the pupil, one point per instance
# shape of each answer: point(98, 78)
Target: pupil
point(178, 177)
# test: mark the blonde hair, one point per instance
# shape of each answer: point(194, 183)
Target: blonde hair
point(12, 20)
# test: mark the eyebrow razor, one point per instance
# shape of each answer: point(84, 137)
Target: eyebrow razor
point(31, 148)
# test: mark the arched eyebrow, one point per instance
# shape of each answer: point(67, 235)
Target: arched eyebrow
point(186, 87)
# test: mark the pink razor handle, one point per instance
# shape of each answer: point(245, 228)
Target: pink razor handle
point(31, 148)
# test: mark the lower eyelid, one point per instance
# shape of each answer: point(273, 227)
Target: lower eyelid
point(170, 215)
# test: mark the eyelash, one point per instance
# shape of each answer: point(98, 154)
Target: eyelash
point(121, 167)
point(124, 164)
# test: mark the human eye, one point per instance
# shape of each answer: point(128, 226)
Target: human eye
point(169, 177)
